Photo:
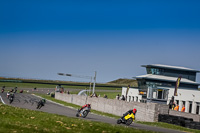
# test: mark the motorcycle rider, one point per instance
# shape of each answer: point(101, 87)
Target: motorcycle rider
point(134, 111)
point(42, 101)
point(15, 89)
point(11, 95)
point(84, 106)
point(3, 88)
point(8, 94)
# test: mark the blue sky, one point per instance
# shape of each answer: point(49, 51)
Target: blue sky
point(38, 39)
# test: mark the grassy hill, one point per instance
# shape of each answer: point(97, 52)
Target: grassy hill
point(125, 82)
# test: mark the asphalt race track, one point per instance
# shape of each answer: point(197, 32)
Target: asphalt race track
point(29, 101)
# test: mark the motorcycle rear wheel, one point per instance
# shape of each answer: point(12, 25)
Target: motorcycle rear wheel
point(77, 115)
point(85, 113)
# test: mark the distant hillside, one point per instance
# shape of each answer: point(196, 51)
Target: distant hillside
point(125, 82)
point(56, 82)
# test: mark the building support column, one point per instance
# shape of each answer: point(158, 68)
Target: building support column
point(199, 109)
point(180, 105)
point(194, 107)
point(187, 104)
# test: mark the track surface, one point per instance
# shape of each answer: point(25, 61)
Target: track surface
point(29, 101)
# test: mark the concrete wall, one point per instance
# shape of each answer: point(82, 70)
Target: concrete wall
point(145, 111)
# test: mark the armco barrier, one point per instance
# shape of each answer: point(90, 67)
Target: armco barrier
point(145, 111)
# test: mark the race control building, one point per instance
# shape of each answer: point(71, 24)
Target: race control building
point(159, 83)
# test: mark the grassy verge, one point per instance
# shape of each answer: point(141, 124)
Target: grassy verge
point(14, 120)
point(156, 124)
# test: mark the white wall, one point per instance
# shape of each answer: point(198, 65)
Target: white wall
point(187, 96)
point(133, 92)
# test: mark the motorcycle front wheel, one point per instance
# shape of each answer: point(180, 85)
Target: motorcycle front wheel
point(129, 121)
point(119, 121)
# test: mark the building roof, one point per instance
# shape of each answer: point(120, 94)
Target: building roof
point(166, 78)
point(170, 67)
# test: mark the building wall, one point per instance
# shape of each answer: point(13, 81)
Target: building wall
point(145, 111)
point(133, 94)
point(188, 97)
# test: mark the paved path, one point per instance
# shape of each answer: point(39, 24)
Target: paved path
point(30, 102)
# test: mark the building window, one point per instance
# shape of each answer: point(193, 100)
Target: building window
point(133, 98)
point(155, 71)
point(184, 103)
point(136, 99)
point(177, 102)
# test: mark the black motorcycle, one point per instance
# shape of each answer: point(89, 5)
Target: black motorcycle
point(39, 105)
point(11, 98)
point(83, 113)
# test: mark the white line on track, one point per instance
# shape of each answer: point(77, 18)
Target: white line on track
point(2, 100)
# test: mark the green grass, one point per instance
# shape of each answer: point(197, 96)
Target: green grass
point(156, 124)
point(110, 95)
point(33, 85)
point(15, 120)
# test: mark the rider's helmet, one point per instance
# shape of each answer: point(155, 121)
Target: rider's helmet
point(134, 110)
point(44, 100)
point(89, 105)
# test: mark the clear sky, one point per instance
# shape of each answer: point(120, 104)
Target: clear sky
point(40, 38)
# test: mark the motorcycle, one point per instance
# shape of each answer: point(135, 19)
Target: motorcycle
point(39, 105)
point(11, 98)
point(83, 113)
point(128, 119)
